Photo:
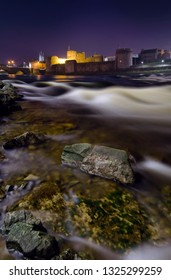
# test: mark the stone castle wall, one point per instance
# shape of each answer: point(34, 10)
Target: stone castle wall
point(72, 67)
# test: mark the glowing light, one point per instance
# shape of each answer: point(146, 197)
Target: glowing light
point(11, 62)
point(61, 60)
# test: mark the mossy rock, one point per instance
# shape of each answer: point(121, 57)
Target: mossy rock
point(115, 220)
point(47, 202)
point(89, 207)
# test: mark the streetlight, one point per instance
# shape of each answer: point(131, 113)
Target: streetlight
point(11, 63)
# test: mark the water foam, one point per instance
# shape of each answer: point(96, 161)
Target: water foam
point(150, 103)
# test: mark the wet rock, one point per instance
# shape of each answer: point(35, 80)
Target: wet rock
point(4, 254)
point(24, 140)
point(32, 243)
point(68, 254)
point(22, 216)
point(31, 177)
point(26, 234)
point(11, 91)
point(9, 188)
point(97, 160)
point(73, 155)
point(1, 84)
point(96, 208)
point(2, 194)
point(1, 181)
point(8, 97)
point(1, 156)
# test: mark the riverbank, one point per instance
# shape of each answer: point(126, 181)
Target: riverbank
point(75, 207)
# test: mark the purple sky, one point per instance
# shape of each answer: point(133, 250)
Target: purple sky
point(96, 26)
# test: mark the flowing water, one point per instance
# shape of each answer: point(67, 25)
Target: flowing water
point(130, 113)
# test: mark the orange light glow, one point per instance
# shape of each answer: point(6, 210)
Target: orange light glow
point(61, 60)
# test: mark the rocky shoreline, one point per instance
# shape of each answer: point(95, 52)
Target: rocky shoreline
point(89, 196)
point(25, 233)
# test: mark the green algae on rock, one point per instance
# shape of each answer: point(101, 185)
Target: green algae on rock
point(96, 209)
point(116, 220)
point(97, 160)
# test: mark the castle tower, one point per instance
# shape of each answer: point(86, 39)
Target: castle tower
point(123, 58)
point(41, 57)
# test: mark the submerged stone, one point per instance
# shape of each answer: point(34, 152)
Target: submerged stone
point(24, 140)
point(97, 160)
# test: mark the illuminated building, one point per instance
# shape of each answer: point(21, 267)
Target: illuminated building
point(57, 60)
point(80, 57)
point(37, 66)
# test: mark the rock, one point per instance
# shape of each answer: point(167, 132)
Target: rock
point(9, 188)
point(26, 234)
point(73, 155)
point(32, 177)
point(32, 243)
point(24, 140)
point(4, 254)
point(1, 84)
point(8, 97)
point(97, 160)
point(20, 216)
point(2, 194)
point(68, 254)
point(2, 157)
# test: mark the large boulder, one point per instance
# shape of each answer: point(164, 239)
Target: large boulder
point(26, 234)
point(97, 160)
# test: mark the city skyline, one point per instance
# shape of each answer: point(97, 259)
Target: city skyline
point(91, 26)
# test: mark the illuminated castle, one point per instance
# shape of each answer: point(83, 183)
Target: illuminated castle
point(79, 57)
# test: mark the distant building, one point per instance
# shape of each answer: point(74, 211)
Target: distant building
point(123, 58)
point(41, 57)
point(37, 66)
point(77, 56)
point(97, 58)
point(149, 55)
point(166, 54)
point(154, 55)
point(135, 59)
point(57, 60)
point(80, 57)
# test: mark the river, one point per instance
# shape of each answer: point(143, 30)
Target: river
point(130, 113)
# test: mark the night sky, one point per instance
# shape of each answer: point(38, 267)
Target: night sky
point(93, 26)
